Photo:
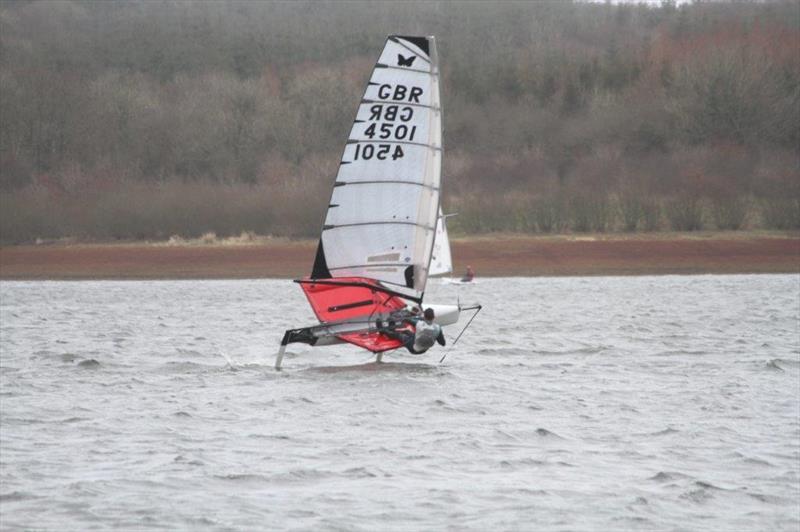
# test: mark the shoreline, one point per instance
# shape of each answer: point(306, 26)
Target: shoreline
point(498, 255)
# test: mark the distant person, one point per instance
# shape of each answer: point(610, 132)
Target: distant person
point(469, 276)
point(420, 337)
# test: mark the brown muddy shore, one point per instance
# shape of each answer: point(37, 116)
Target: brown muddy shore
point(495, 255)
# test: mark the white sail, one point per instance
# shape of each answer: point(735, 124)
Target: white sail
point(384, 208)
point(442, 260)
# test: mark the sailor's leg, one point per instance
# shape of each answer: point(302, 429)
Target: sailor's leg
point(405, 337)
point(390, 333)
point(379, 358)
point(408, 343)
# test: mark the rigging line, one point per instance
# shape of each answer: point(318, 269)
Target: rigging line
point(386, 141)
point(467, 325)
point(478, 309)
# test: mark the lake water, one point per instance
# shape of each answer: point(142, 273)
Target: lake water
point(617, 403)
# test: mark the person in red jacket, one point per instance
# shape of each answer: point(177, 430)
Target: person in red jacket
point(469, 275)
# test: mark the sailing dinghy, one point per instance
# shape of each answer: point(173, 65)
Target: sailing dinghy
point(375, 252)
point(441, 259)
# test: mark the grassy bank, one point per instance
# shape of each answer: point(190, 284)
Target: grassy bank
point(491, 255)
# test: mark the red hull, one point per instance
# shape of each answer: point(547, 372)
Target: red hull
point(351, 299)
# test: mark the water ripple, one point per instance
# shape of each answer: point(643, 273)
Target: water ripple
point(637, 403)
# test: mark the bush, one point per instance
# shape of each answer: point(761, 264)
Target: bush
point(549, 215)
point(651, 215)
point(730, 213)
point(632, 210)
point(781, 213)
point(590, 214)
point(685, 213)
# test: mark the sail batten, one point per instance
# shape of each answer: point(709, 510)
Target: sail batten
point(431, 107)
point(395, 141)
point(378, 222)
point(408, 143)
point(380, 65)
point(411, 183)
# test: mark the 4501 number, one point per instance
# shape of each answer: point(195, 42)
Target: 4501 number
point(399, 131)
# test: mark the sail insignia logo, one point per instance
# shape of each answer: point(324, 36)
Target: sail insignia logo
point(405, 61)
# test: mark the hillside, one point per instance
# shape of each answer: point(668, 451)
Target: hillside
point(141, 120)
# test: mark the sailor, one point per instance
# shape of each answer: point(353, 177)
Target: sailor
point(422, 335)
point(469, 275)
